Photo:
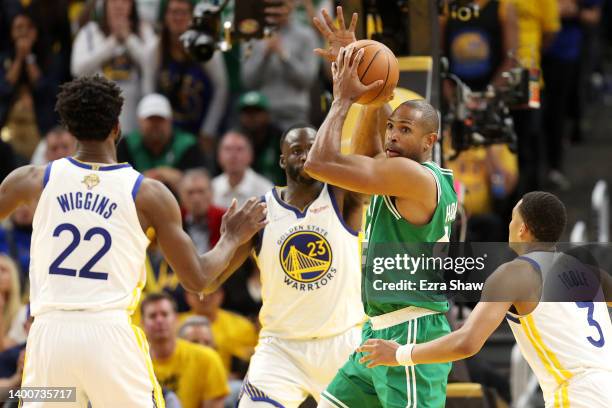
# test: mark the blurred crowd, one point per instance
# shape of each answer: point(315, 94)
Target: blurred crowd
point(210, 131)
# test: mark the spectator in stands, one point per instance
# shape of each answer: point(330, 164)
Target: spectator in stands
point(11, 359)
point(235, 336)
point(57, 144)
point(561, 68)
point(197, 91)
point(120, 47)
point(479, 49)
point(194, 372)
point(538, 23)
point(156, 149)
point(282, 67)
point(15, 239)
point(256, 123)
point(238, 180)
point(196, 329)
point(29, 79)
point(202, 219)
point(10, 299)
point(489, 175)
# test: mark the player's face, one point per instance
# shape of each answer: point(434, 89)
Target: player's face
point(404, 137)
point(517, 226)
point(159, 320)
point(199, 335)
point(294, 153)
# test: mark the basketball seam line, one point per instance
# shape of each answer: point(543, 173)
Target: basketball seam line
point(370, 64)
point(385, 83)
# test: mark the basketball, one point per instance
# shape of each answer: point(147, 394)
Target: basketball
point(378, 62)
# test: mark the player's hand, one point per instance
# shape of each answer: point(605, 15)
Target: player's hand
point(243, 223)
point(337, 37)
point(378, 352)
point(347, 84)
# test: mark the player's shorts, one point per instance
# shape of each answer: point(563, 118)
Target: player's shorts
point(284, 372)
point(99, 353)
point(588, 390)
point(423, 385)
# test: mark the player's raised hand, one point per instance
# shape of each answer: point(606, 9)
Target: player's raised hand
point(347, 84)
point(378, 352)
point(241, 224)
point(337, 37)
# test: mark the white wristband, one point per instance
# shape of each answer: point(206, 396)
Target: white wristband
point(403, 355)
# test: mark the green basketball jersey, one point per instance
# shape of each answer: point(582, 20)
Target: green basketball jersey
point(389, 235)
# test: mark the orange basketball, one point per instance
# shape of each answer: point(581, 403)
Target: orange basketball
point(378, 62)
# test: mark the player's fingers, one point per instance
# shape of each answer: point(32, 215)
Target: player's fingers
point(366, 358)
point(357, 59)
point(353, 23)
point(340, 16)
point(373, 85)
point(323, 29)
point(340, 59)
point(334, 68)
point(232, 207)
point(348, 53)
point(328, 20)
point(322, 53)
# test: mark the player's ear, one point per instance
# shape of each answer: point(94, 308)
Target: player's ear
point(282, 162)
point(430, 141)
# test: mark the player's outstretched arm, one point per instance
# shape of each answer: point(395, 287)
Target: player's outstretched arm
point(501, 290)
point(158, 209)
point(22, 185)
point(359, 173)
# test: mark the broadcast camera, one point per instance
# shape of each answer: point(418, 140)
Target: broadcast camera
point(483, 118)
point(208, 34)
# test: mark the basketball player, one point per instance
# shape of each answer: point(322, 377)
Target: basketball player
point(567, 344)
point(413, 201)
point(308, 257)
point(88, 256)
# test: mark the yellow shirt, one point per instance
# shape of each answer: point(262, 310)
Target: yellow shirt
point(234, 335)
point(470, 168)
point(535, 17)
point(194, 373)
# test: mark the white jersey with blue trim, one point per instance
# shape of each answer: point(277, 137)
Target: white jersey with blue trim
point(563, 341)
point(310, 270)
point(88, 248)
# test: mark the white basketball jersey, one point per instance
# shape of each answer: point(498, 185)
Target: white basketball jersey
point(561, 340)
point(310, 270)
point(88, 248)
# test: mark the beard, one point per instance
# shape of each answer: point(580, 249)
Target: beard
point(295, 173)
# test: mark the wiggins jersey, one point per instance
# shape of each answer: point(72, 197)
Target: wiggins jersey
point(561, 340)
point(388, 234)
point(88, 247)
point(309, 265)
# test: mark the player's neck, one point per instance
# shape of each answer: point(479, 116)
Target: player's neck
point(163, 349)
point(300, 195)
point(96, 152)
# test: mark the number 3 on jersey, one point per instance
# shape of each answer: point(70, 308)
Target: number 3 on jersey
point(592, 322)
point(85, 271)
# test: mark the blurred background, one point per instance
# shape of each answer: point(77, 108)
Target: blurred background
point(524, 88)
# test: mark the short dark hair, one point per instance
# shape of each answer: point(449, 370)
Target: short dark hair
point(429, 119)
point(89, 107)
point(544, 214)
point(294, 127)
point(156, 297)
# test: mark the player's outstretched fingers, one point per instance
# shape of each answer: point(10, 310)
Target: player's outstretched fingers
point(340, 17)
point(353, 22)
point(328, 20)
